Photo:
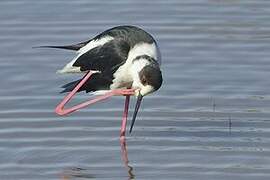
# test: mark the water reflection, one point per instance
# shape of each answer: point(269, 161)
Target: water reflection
point(77, 172)
point(124, 154)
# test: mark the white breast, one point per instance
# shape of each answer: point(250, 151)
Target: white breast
point(125, 74)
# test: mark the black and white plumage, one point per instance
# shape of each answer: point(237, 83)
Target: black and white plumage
point(123, 57)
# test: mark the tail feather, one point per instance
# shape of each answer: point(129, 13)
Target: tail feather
point(74, 47)
point(60, 47)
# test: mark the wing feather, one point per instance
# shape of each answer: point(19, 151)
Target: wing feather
point(104, 58)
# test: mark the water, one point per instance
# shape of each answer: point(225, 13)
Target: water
point(210, 120)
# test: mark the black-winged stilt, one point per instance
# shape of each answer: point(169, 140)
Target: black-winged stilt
point(123, 57)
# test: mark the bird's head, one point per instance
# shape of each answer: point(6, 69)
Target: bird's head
point(149, 79)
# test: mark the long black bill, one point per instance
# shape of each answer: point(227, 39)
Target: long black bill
point(138, 103)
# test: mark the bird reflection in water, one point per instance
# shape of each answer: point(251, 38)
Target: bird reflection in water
point(124, 154)
point(84, 173)
point(76, 173)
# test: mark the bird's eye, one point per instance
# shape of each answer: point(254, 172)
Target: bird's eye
point(144, 81)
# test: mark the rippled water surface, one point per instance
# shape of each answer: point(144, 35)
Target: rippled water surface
point(210, 120)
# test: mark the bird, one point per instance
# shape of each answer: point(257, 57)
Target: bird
point(122, 57)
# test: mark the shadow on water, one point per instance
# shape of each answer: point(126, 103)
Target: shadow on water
point(77, 172)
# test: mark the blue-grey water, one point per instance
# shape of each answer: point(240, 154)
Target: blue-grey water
point(210, 120)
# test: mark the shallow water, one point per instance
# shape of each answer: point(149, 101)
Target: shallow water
point(210, 120)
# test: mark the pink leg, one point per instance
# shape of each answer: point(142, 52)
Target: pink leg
point(124, 119)
point(60, 107)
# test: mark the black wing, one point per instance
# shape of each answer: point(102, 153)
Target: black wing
point(106, 59)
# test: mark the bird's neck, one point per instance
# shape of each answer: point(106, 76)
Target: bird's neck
point(136, 67)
